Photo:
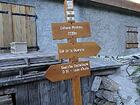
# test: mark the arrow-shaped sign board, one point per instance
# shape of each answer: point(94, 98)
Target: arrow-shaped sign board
point(68, 71)
point(68, 30)
point(82, 49)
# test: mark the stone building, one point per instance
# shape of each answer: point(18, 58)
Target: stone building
point(114, 26)
point(109, 22)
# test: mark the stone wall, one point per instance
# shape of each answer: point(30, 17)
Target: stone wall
point(108, 27)
point(116, 89)
point(108, 92)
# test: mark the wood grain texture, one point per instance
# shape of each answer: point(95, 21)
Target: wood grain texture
point(1, 28)
point(69, 30)
point(81, 49)
point(31, 27)
point(7, 25)
point(22, 95)
point(44, 89)
point(6, 35)
point(19, 24)
point(45, 92)
point(33, 93)
point(76, 89)
point(68, 71)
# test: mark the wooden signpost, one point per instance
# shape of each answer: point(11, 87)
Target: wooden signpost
point(68, 71)
point(68, 30)
point(78, 50)
point(72, 50)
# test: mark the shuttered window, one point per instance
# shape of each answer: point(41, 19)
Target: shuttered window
point(132, 37)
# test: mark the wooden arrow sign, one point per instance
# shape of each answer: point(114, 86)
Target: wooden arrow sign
point(68, 30)
point(67, 71)
point(83, 49)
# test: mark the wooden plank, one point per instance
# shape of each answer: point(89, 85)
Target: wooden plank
point(1, 29)
point(85, 88)
point(85, 49)
point(67, 71)
point(68, 30)
point(31, 27)
point(7, 26)
point(23, 24)
point(33, 93)
point(19, 24)
point(44, 90)
point(76, 88)
point(18, 9)
point(30, 10)
point(22, 95)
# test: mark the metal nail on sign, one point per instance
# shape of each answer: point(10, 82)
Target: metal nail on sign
point(68, 30)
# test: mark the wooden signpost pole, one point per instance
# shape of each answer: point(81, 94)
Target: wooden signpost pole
point(72, 50)
point(76, 84)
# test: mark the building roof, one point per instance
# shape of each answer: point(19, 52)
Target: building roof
point(126, 5)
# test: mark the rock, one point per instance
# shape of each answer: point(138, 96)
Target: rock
point(109, 84)
point(110, 96)
point(138, 82)
point(99, 101)
point(99, 94)
point(138, 89)
point(109, 103)
point(136, 74)
point(102, 102)
point(127, 100)
point(89, 104)
point(127, 90)
point(137, 102)
point(96, 83)
point(135, 79)
point(118, 99)
point(131, 70)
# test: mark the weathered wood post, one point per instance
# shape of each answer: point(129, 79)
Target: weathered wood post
point(72, 50)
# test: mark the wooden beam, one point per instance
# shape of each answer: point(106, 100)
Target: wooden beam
point(76, 87)
point(125, 4)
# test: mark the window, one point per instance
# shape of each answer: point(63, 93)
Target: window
point(132, 37)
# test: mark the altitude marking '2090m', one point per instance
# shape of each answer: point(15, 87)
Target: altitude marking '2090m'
point(66, 30)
